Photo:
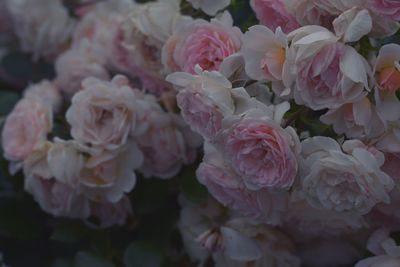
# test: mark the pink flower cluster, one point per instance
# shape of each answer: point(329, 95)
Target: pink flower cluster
point(115, 130)
point(298, 119)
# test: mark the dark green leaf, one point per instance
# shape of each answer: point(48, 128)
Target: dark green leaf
point(69, 232)
point(142, 254)
point(190, 187)
point(87, 259)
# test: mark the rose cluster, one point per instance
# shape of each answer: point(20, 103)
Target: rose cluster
point(297, 119)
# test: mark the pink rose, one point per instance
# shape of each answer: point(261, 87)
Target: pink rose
point(57, 198)
point(45, 92)
point(310, 12)
point(139, 39)
point(26, 126)
point(200, 113)
point(388, 8)
point(200, 42)
point(111, 214)
point(262, 153)
point(387, 68)
point(226, 187)
point(322, 72)
point(264, 53)
point(99, 25)
point(166, 146)
point(205, 98)
point(104, 113)
point(273, 14)
point(77, 64)
point(354, 119)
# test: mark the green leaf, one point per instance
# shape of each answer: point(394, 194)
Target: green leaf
point(70, 232)
point(190, 187)
point(142, 254)
point(87, 259)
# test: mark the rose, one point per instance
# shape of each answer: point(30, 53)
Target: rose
point(260, 151)
point(111, 214)
point(204, 99)
point(322, 72)
point(264, 53)
point(354, 119)
point(45, 92)
point(387, 68)
point(200, 113)
point(166, 146)
point(310, 12)
point(108, 179)
point(76, 64)
point(389, 8)
point(386, 255)
point(45, 29)
point(98, 27)
point(203, 43)
point(56, 198)
point(228, 188)
point(349, 180)
point(210, 7)
point(104, 113)
point(138, 41)
point(25, 127)
point(274, 14)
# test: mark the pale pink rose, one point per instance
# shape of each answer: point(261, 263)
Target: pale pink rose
point(165, 146)
point(246, 238)
point(26, 126)
point(353, 24)
point(203, 43)
point(56, 198)
point(322, 72)
point(390, 256)
point(111, 214)
point(305, 222)
point(210, 7)
point(110, 179)
point(310, 12)
point(194, 220)
point(273, 14)
point(105, 113)
point(387, 68)
point(77, 64)
point(388, 215)
point(388, 8)
point(264, 53)
point(343, 179)
point(45, 30)
point(138, 42)
point(225, 186)
point(232, 241)
point(98, 27)
point(200, 113)
point(262, 153)
point(352, 119)
point(204, 99)
point(45, 92)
